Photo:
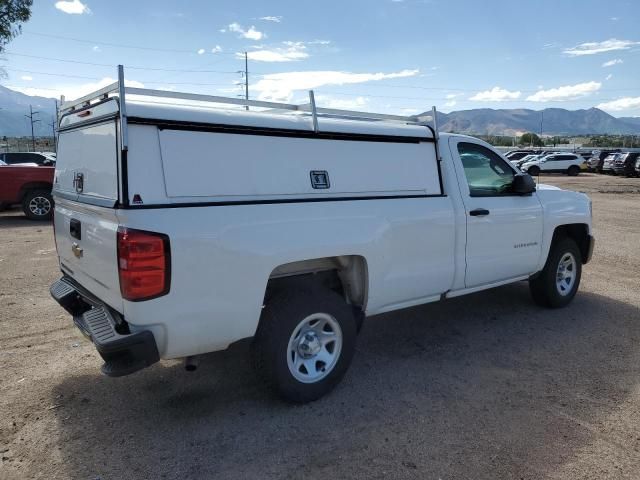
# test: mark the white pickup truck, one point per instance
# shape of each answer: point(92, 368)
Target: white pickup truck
point(183, 226)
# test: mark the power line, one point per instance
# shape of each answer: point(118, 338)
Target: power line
point(64, 75)
point(229, 72)
point(120, 45)
point(113, 66)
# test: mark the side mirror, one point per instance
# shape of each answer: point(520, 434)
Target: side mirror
point(523, 184)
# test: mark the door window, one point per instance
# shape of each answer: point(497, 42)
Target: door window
point(487, 174)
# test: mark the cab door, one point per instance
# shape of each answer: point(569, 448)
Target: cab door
point(504, 230)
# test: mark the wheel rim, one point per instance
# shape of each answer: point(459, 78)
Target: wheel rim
point(566, 274)
point(40, 206)
point(314, 348)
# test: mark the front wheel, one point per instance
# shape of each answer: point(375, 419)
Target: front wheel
point(38, 205)
point(558, 282)
point(304, 343)
point(573, 171)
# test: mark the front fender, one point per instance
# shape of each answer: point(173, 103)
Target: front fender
point(561, 207)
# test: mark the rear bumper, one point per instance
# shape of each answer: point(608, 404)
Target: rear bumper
point(123, 352)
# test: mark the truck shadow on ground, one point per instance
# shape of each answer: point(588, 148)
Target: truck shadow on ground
point(484, 386)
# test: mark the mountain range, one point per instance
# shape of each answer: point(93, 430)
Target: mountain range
point(481, 121)
point(551, 121)
point(13, 108)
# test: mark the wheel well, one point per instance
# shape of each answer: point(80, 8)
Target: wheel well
point(27, 187)
point(578, 232)
point(345, 274)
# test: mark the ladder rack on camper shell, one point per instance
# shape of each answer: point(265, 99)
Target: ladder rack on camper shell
point(119, 90)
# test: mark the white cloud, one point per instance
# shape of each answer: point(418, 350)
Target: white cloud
point(319, 42)
point(327, 101)
point(74, 91)
point(96, 48)
point(450, 103)
point(609, 77)
point(453, 95)
point(251, 34)
point(216, 49)
point(611, 63)
point(625, 103)
point(280, 86)
point(293, 51)
point(201, 51)
point(27, 78)
point(496, 94)
point(72, 7)
point(592, 48)
point(272, 18)
point(567, 92)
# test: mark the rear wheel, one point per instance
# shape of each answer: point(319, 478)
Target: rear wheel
point(304, 343)
point(573, 170)
point(38, 205)
point(558, 282)
point(534, 171)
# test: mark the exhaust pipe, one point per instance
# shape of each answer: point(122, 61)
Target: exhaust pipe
point(191, 363)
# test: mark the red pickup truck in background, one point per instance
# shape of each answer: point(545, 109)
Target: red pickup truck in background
point(29, 186)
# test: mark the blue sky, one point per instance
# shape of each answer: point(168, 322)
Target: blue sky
point(399, 56)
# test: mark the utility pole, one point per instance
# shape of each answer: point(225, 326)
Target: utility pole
point(541, 122)
point(30, 117)
point(246, 78)
point(53, 128)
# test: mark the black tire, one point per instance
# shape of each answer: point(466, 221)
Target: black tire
point(534, 171)
point(573, 171)
point(544, 288)
point(281, 317)
point(38, 205)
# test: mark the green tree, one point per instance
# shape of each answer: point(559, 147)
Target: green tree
point(531, 139)
point(12, 14)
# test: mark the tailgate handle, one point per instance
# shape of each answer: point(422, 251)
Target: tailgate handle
point(74, 229)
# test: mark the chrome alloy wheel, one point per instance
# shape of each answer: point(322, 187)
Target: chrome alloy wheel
point(40, 206)
point(566, 274)
point(314, 348)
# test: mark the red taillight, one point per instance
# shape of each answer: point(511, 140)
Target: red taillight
point(144, 264)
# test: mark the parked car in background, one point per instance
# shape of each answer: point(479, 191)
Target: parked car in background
point(518, 154)
point(523, 160)
point(637, 172)
point(596, 161)
point(625, 164)
point(568, 163)
point(29, 186)
point(607, 164)
point(586, 154)
point(531, 158)
point(39, 158)
point(28, 164)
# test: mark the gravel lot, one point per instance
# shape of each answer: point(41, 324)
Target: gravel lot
point(485, 386)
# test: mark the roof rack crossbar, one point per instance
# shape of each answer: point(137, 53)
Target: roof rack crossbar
point(118, 88)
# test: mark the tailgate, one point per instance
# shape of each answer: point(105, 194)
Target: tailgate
point(86, 239)
point(86, 224)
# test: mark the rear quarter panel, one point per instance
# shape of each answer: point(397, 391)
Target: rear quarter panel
point(222, 258)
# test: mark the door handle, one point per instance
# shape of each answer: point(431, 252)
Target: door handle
point(479, 212)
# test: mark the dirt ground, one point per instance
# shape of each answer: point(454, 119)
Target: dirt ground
point(487, 386)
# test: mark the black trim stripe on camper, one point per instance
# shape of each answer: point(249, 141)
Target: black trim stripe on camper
point(274, 132)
